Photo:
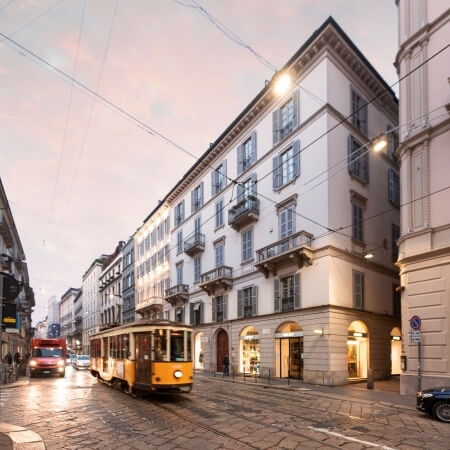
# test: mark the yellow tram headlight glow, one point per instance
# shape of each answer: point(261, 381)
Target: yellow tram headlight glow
point(178, 374)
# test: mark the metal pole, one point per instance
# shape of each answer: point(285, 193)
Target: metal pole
point(418, 370)
point(1, 317)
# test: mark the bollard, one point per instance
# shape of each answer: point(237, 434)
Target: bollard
point(232, 372)
point(269, 376)
point(369, 379)
point(256, 380)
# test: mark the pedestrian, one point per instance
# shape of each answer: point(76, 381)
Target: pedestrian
point(200, 359)
point(226, 366)
point(17, 358)
point(8, 359)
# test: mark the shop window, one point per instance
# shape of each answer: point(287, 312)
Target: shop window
point(250, 351)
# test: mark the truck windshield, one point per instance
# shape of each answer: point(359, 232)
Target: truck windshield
point(47, 352)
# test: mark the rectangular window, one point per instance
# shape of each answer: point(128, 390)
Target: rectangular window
point(219, 213)
point(147, 265)
point(180, 241)
point(179, 213)
point(247, 302)
point(147, 243)
point(286, 118)
point(197, 268)
point(286, 165)
point(358, 290)
point(161, 231)
point(394, 187)
point(358, 160)
point(247, 245)
point(219, 250)
point(219, 178)
point(196, 313)
point(219, 308)
point(395, 238)
point(393, 143)
point(286, 222)
point(357, 222)
point(154, 238)
point(161, 256)
point(154, 261)
point(179, 314)
point(247, 150)
point(197, 198)
point(179, 273)
point(141, 249)
point(359, 112)
point(287, 293)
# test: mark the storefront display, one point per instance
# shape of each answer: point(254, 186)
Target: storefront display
point(250, 351)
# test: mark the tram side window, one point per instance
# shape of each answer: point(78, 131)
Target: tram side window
point(95, 348)
point(160, 339)
point(189, 350)
point(122, 346)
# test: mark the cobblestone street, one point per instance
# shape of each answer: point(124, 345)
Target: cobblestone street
point(77, 412)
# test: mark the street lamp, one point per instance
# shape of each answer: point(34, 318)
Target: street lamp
point(282, 83)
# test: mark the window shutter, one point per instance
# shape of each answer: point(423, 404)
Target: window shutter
point(276, 295)
point(253, 146)
point(191, 314)
point(350, 153)
point(364, 116)
point(201, 194)
point(214, 178)
point(276, 126)
point(240, 159)
point(391, 185)
point(182, 210)
point(296, 108)
point(354, 108)
point(254, 301)
point(365, 166)
point(202, 313)
point(253, 190)
point(193, 201)
point(182, 314)
point(224, 173)
point(214, 309)
point(225, 307)
point(240, 192)
point(297, 292)
point(276, 172)
point(296, 159)
point(240, 305)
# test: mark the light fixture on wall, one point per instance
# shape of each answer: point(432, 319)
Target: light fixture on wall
point(379, 143)
point(282, 83)
point(318, 331)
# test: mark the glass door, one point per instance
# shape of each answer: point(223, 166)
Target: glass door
point(143, 357)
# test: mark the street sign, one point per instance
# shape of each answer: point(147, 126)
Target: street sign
point(415, 322)
point(416, 337)
point(11, 287)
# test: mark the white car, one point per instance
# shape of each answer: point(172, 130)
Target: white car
point(81, 362)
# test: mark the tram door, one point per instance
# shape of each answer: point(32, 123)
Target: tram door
point(222, 349)
point(143, 357)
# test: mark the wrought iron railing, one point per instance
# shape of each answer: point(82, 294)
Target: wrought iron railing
point(249, 204)
point(177, 289)
point(300, 239)
point(194, 240)
point(217, 273)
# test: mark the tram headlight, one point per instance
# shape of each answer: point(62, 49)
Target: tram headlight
point(178, 374)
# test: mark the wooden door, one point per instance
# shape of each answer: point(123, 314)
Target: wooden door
point(143, 358)
point(222, 348)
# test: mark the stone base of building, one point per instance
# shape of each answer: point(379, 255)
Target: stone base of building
point(328, 378)
point(409, 383)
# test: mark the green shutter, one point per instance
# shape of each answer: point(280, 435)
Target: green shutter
point(254, 301)
point(297, 288)
point(225, 307)
point(240, 305)
point(276, 295)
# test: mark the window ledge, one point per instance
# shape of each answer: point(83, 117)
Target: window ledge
point(279, 189)
point(246, 263)
point(219, 228)
point(358, 179)
point(359, 242)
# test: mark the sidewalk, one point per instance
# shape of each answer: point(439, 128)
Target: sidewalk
point(385, 392)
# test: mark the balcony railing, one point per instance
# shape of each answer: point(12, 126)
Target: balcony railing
point(151, 303)
point(243, 212)
point(295, 248)
point(194, 244)
point(220, 277)
point(177, 293)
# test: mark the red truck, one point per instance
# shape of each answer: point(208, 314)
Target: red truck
point(48, 356)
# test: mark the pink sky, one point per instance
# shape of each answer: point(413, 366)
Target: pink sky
point(167, 65)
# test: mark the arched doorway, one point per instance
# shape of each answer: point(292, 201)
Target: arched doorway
point(199, 352)
point(221, 348)
point(289, 351)
point(357, 350)
point(249, 354)
point(396, 351)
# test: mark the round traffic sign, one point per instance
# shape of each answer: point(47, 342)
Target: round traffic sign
point(415, 322)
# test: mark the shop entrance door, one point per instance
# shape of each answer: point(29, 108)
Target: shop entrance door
point(289, 357)
point(105, 354)
point(222, 348)
point(143, 357)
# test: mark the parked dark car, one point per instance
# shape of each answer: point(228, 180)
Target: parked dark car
point(435, 401)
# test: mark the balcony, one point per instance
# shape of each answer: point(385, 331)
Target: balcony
point(293, 249)
point(5, 232)
point(218, 278)
point(244, 212)
point(149, 305)
point(177, 294)
point(194, 244)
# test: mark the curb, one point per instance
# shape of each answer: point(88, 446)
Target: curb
point(311, 391)
point(16, 384)
point(21, 438)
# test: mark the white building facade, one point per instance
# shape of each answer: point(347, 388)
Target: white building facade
point(91, 301)
point(67, 315)
point(151, 264)
point(270, 228)
point(110, 290)
point(424, 253)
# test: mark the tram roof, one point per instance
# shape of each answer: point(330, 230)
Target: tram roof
point(143, 323)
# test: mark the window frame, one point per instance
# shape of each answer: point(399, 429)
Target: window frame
point(358, 289)
point(247, 245)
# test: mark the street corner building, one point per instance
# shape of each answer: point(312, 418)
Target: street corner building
point(423, 153)
point(272, 245)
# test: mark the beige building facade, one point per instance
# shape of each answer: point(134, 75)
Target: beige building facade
point(424, 246)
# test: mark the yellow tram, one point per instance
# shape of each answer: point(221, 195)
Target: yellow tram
point(151, 355)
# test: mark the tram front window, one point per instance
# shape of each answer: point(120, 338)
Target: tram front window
point(160, 345)
point(177, 346)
